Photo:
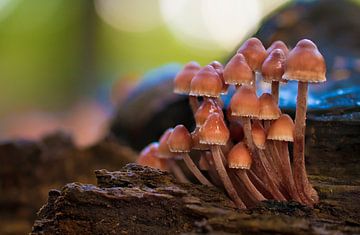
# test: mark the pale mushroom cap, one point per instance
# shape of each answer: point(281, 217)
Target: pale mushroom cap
point(183, 79)
point(268, 107)
point(239, 157)
point(206, 83)
point(254, 53)
point(180, 140)
point(245, 103)
point(305, 63)
point(273, 67)
point(278, 45)
point(258, 134)
point(214, 131)
point(282, 129)
point(164, 151)
point(207, 107)
point(149, 157)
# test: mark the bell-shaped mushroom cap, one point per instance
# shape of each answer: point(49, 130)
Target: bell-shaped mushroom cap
point(149, 157)
point(278, 45)
point(206, 83)
point(207, 107)
point(220, 70)
point(282, 129)
point(273, 67)
point(203, 163)
point(254, 53)
point(195, 136)
point(268, 107)
point(237, 71)
point(214, 131)
point(258, 134)
point(164, 151)
point(183, 78)
point(180, 140)
point(239, 157)
point(305, 63)
point(245, 103)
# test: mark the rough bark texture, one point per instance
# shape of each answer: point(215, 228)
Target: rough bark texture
point(141, 200)
point(28, 170)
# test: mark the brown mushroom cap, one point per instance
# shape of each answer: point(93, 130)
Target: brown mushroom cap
point(220, 70)
point(206, 83)
point(195, 136)
point(180, 140)
point(149, 157)
point(273, 67)
point(258, 134)
point(254, 53)
point(305, 63)
point(183, 79)
point(268, 107)
point(239, 157)
point(278, 45)
point(245, 103)
point(214, 131)
point(282, 129)
point(164, 151)
point(237, 71)
point(207, 107)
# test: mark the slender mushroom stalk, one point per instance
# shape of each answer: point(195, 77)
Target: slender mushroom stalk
point(215, 133)
point(281, 132)
point(180, 143)
point(246, 105)
point(239, 158)
point(304, 64)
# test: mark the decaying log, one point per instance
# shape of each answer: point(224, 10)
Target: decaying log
point(142, 200)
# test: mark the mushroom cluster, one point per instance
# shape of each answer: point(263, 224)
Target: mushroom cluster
point(243, 148)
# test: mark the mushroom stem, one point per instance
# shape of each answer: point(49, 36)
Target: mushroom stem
point(283, 154)
point(259, 167)
point(249, 185)
point(275, 85)
point(302, 183)
point(229, 187)
point(176, 170)
point(194, 103)
point(213, 174)
point(193, 168)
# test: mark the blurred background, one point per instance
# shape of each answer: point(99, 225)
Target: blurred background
point(65, 64)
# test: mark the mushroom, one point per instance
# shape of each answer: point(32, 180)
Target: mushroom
point(206, 83)
point(149, 157)
point(254, 53)
point(304, 64)
point(180, 143)
point(246, 105)
point(272, 71)
point(258, 135)
point(182, 82)
point(206, 108)
point(282, 131)
point(239, 158)
point(215, 133)
point(238, 72)
point(278, 45)
point(166, 154)
point(220, 70)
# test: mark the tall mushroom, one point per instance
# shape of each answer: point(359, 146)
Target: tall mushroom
point(304, 64)
point(215, 133)
point(180, 143)
point(182, 82)
point(239, 158)
point(282, 131)
point(237, 72)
